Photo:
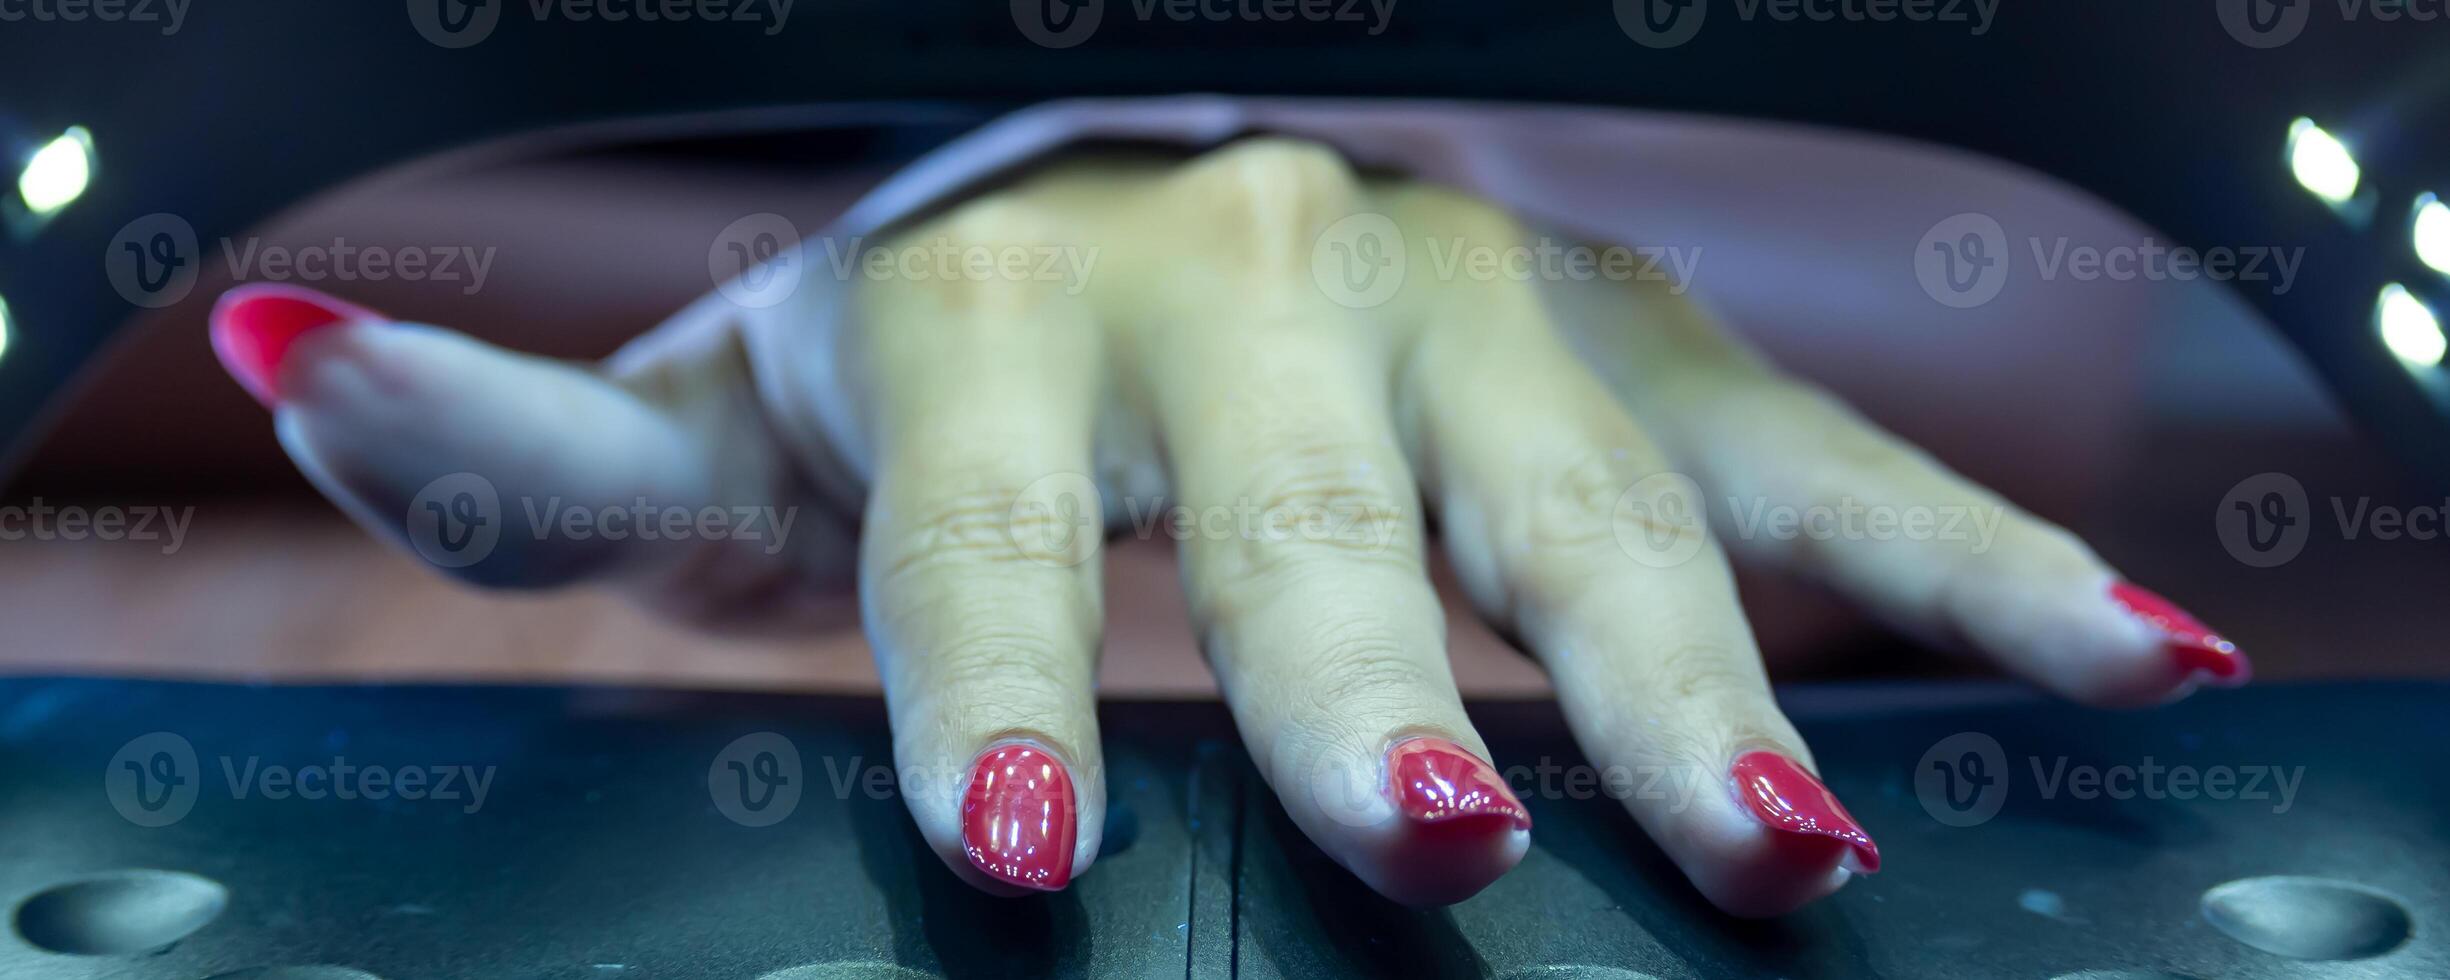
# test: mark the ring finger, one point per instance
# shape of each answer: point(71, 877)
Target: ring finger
point(1568, 527)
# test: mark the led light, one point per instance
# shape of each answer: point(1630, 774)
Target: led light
point(58, 173)
point(4, 328)
point(2433, 232)
point(2409, 329)
point(2321, 162)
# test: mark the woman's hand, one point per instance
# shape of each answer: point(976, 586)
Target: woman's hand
point(1211, 334)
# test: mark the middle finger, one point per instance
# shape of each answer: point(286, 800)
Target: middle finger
point(1304, 558)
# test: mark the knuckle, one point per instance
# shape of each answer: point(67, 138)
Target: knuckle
point(1013, 661)
point(965, 529)
point(1693, 705)
point(1000, 679)
point(1706, 674)
point(974, 260)
point(1600, 524)
point(1264, 200)
point(1357, 667)
point(1574, 507)
point(1324, 476)
point(993, 219)
point(1318, 506)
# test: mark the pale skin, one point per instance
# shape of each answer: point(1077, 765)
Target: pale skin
point(1550, 431)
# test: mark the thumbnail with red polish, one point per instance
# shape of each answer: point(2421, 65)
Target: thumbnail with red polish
point(2193, 645)
point(255, 324)
point(1433, 780)
point(1785, 797)
point(1019, 819)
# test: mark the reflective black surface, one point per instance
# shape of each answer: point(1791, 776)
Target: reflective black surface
point(596, 833)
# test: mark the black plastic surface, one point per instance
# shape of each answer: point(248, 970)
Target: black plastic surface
point(602, 848)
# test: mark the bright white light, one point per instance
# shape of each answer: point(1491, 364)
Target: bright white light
point(2409, 329)
point(4, 328)
point(58, 173)
point(2322, 163)
point(2433, 232)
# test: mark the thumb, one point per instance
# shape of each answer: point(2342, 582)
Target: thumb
point(499, 468)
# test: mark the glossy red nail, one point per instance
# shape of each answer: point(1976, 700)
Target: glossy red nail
point(1019, 819)
point(1433, 781)
point(1782, 795)
point(255, 324)
point(2193, 645)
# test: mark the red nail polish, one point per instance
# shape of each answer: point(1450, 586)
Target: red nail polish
point(1433, 781)
point(1785, 797)
point(255, 324)
point(2193, 645)
point(1018, 820)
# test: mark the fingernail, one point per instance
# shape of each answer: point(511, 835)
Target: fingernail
point(1433, 781)
point(1787, 798)
point(2194, 646)
point(255, 324)
point(1018, 820)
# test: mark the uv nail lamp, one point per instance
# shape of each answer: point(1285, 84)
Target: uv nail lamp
point(142, 136)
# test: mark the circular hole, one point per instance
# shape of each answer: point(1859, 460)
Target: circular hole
point(2307, 918)
point(297, 973)
point(120, 912)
